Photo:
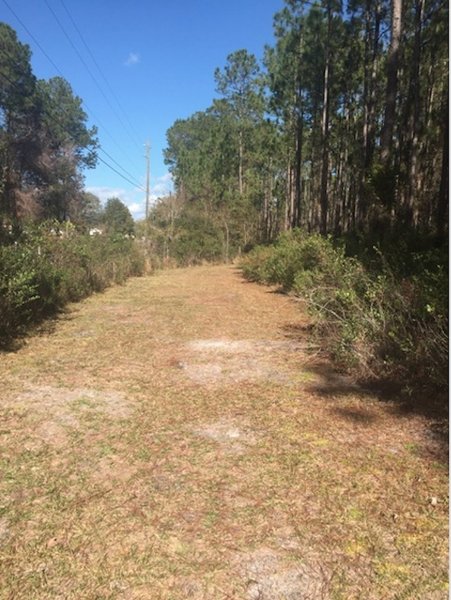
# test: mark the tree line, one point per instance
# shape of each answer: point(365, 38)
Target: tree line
point(45, 143)
point(342, 128)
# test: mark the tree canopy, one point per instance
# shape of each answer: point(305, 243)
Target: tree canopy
point(117, 217)
point(45, 142)
point(342, 128)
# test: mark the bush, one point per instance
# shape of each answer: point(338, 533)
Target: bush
point(18, 288)
point(254, 264)
point(372, 320)
point(197, 241)
point(41, 272)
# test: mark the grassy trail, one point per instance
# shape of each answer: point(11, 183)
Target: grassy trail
point(174, 438)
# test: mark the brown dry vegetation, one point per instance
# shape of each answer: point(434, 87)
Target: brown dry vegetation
point(176, 438)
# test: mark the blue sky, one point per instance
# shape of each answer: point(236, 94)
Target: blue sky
point(158, 57)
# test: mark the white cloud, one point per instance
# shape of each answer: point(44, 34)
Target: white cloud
point(104, 193)
point(133, 59)
point(136, 208)
point(135, 199)
point(161, 187)
point(131, 198)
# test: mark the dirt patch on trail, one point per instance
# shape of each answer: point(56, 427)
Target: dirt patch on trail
point(113, 470)
point(4, 530)
point(242, 346)
point(271, 577)
point(63, 401)
point(56, 411)
point(227, 435)
point(224, 362)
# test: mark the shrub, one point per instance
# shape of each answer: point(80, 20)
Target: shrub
point(197, 241)
point(18, 287)
point(376, 321)
point(41, 272)
point(254, 264)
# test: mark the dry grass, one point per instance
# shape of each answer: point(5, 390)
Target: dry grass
point(173, 439)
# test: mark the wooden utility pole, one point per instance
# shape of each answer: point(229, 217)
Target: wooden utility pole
point(147, 188)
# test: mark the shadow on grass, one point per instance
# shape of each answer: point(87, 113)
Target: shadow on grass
point(356, 415)
point(44, 325)
point(399, 399)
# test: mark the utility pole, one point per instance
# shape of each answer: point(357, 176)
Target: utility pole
point(147, 188)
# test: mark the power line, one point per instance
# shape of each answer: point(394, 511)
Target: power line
point(120, 174)
point(135, 182)
point(77, 52)
point(121, 167)
point(132, 130)
point(58, 118)
point(33, 38)
point(58, 70)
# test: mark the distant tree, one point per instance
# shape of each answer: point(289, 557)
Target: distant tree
point(240, 85)
point(87, 211)
point(117, 217)
point(68, 146)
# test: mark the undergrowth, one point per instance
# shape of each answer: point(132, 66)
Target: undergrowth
point(373, 317)
point(41, 271)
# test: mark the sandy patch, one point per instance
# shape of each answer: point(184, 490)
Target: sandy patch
point(270, 577)
point(55, 411)
point(224, 362)
point(64, 401)
point(241, 346)
point(4, 530)
point(225, 433)
point(113, 469)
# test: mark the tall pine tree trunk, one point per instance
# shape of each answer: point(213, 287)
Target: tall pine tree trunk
point(392, 81)
point(298, 182)
point(288, 196)
point(372, 91)
point(414, 124)
point(299, 133)
point(443, 197)
point(324, 200)
point(240, 164)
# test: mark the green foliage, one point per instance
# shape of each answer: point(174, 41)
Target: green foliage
point(18, 287)
point(64, 121)
point(220, 160)
point(117, 217)
point(239, 84)
point(254, 265)
point(320, 136)
point(88, 212)
point(295, 252)
point(44, 140)
point(198, 241)
point(377, 321)
point(382, 182)
point(180, 236)
point(43, 271)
